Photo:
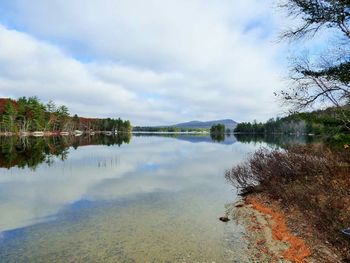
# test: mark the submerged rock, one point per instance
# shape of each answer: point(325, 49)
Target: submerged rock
point(224, 218)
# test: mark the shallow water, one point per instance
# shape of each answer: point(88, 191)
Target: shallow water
point(156, 199)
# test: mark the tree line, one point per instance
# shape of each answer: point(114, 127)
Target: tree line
point(316, 122)
point(30, 114)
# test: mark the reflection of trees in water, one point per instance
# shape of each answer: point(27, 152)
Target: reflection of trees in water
point(274, 139)
point(190, 137)
point(31, 151)
point(217, 137)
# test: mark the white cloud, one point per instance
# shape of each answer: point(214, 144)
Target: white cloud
point(154, 62)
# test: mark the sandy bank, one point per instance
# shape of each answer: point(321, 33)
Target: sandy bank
point(276, 234)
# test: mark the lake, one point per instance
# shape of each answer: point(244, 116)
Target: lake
point(107, 199)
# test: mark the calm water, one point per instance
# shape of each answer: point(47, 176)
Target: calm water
point(148, 199)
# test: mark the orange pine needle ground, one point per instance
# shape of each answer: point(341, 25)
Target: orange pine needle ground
point(297, 250)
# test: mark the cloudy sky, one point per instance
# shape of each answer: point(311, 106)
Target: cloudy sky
point(153, 62)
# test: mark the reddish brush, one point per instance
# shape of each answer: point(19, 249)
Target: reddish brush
point(297, 251)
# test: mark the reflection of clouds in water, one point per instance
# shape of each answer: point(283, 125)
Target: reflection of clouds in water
point(147, 165)
point(26, 195)
point(185, 165)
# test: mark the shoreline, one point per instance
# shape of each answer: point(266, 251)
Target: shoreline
point(278, 234)
point(44, 134)
point(65, 133)
point(56, 133)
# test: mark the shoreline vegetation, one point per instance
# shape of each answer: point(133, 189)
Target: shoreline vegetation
point(305, 188)
point(31, 117)
point(308, 185)
point(58, 133)
point(321, 123)
point(218, 132)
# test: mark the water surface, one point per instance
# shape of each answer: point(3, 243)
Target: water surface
point(148, 199)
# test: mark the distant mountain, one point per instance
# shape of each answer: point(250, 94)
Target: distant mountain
point(230, 124)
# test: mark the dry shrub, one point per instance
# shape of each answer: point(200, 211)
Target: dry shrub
point(314, 178)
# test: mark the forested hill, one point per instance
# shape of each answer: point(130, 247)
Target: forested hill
point(30, 114)
point(326, 122)
point(189, 126)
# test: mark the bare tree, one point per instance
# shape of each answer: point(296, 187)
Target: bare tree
point(328, 79)
point(316, 15)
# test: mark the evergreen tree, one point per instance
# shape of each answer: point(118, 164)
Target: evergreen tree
point(9, 117)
